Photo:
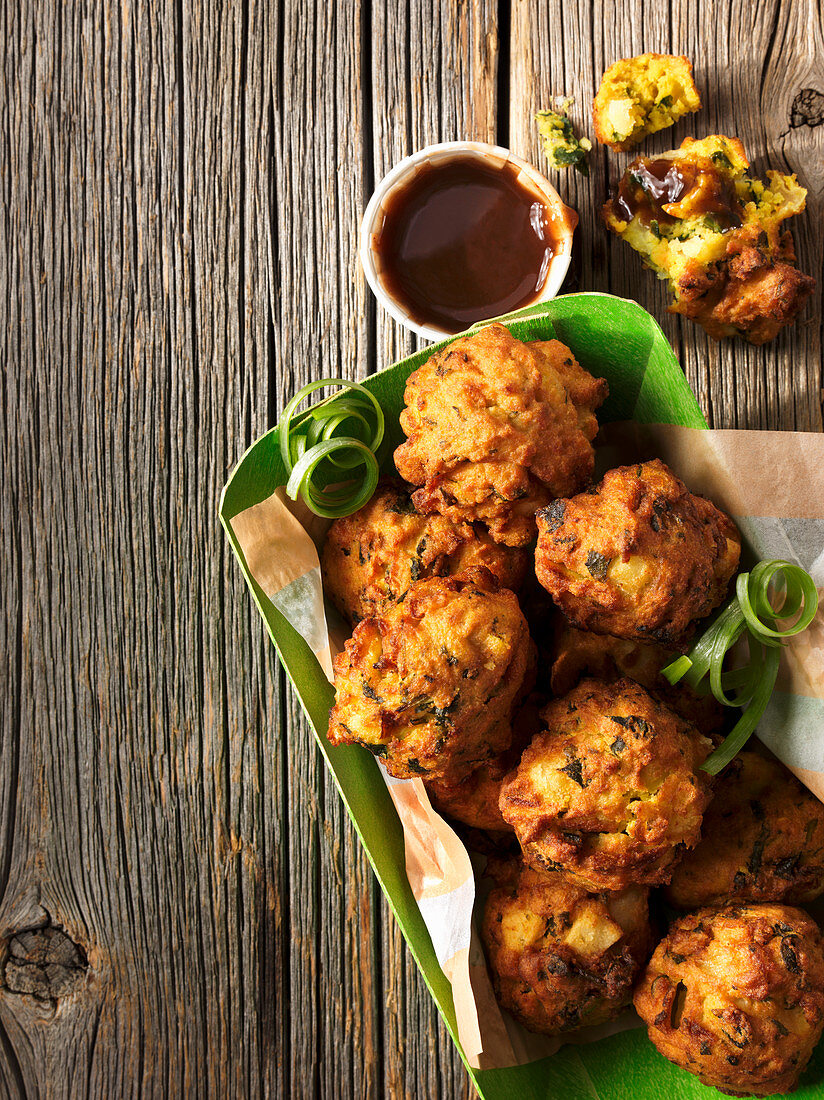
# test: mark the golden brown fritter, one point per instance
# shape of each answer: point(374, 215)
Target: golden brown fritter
point(762, 840)
point(562, 958)
point(717, 235)
point(642, 95)
point(474, 801)
point(374, 555)
point(577, 653)
point(637, 556)
point(429, 683)
point(736, 996)
point(611, 794)
point(496, 428)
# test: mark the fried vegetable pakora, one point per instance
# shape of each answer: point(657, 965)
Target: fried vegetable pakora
point(563, 149)
point(637, 556)
point(374, 555)
point(474, 800)
point(642, 95)
point(736, 996)
point(701, 222)
point(429, 684)
point(562, 958)
point(762, 840)
point(496, 428)
point(579, 653)
point(611, 794)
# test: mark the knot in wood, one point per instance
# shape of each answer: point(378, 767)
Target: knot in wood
point(807, 108)
point(45, 963)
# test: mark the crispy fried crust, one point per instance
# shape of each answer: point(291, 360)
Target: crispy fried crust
point(496, 428)
point(736, 996)
point(562, 958)
point(429, 684)
point(642, 95)
point(577, 653)
point(762, 840)
point(373, 556)
point(611, 794)
point(637, 556)
point(474, 801)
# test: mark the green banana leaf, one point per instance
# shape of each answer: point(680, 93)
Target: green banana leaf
point(614, 339)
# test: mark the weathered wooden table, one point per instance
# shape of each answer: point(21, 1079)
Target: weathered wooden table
point(180, 187)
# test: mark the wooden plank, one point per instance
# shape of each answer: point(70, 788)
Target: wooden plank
point(140, 807)
point(334, 1009)
point(748, 84)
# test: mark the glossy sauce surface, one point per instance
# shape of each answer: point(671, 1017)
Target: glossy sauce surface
point(648, 185)
point(464, 241)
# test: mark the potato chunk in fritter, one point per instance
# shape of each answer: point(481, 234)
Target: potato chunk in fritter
point(762, 840)
point(736, 996)
point(611, 794)
point(496, 428)
point(562, 958)
point(642, 95)
point(429, 684)
point(373, 556)
point(637, 556)
point(579, 653)
point(717, 235)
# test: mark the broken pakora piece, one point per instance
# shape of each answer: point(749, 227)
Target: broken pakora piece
point(429, 684)
point(578, 653)
point(562, 958)
point(563, 149)
point(637, 556)
point(736, 997)
point(611, 794)
point(701, 222)
point(495, 427)
point(642, 95)
point(762, 840)
point(372, 557)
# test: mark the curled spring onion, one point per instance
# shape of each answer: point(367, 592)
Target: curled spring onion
point(750, 612)
point(339, 435)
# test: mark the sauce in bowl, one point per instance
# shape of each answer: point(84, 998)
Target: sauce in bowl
point(463, 241)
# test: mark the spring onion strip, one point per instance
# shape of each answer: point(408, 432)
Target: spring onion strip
point(343, 432)
point(774, 590)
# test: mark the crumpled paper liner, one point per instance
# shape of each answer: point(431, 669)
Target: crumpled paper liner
point(771, 483)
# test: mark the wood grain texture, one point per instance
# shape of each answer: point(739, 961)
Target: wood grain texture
point(180, 188)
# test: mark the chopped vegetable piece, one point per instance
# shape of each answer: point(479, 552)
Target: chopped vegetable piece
point(314, 455)
point(750, 610)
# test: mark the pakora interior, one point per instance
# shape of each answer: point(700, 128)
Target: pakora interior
point(496, 428)
point(717, 235)
point(637, 556)
point(642, 95)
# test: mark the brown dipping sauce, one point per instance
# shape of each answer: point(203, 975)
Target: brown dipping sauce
point(464, 241)
point(647, 185)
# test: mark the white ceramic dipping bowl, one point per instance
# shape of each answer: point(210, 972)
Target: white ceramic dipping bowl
point(563, 221)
